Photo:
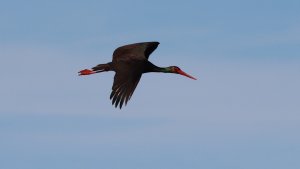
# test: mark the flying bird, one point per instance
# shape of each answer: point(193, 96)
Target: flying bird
point(130, 62)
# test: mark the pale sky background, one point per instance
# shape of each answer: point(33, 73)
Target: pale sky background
point(243, 112)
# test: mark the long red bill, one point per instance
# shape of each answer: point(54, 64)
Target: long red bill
point(185, 74)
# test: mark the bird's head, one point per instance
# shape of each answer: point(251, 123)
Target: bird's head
point(177, 70)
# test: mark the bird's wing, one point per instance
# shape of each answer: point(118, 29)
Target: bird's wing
point(137, 50)
point(125, 81)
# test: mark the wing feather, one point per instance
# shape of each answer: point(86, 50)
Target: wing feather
point(129, 63)
point(138, 51)
point(123, 92)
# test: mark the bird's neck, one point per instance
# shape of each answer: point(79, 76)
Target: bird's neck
point(162, 69)
point(153, 68)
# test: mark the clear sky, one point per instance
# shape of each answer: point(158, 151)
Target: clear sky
point(243, 112)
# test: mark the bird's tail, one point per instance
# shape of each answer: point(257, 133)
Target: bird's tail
point(97, 69)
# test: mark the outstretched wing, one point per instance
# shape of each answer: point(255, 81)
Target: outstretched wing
point(126, 79)
point(135, 51)
point(129, 64)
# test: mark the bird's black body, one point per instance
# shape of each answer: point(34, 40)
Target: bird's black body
point(129, 62)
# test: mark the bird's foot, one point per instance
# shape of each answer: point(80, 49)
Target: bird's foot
point(85, 72)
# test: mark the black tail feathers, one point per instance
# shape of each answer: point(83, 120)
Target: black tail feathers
point(102, 68)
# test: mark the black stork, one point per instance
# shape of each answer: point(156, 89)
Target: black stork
point(130, 62)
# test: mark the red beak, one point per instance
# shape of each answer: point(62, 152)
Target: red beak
point(185, 74)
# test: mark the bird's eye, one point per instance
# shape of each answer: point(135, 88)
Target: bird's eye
point(176, 68)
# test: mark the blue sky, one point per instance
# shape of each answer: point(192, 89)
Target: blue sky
point(242, 112)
